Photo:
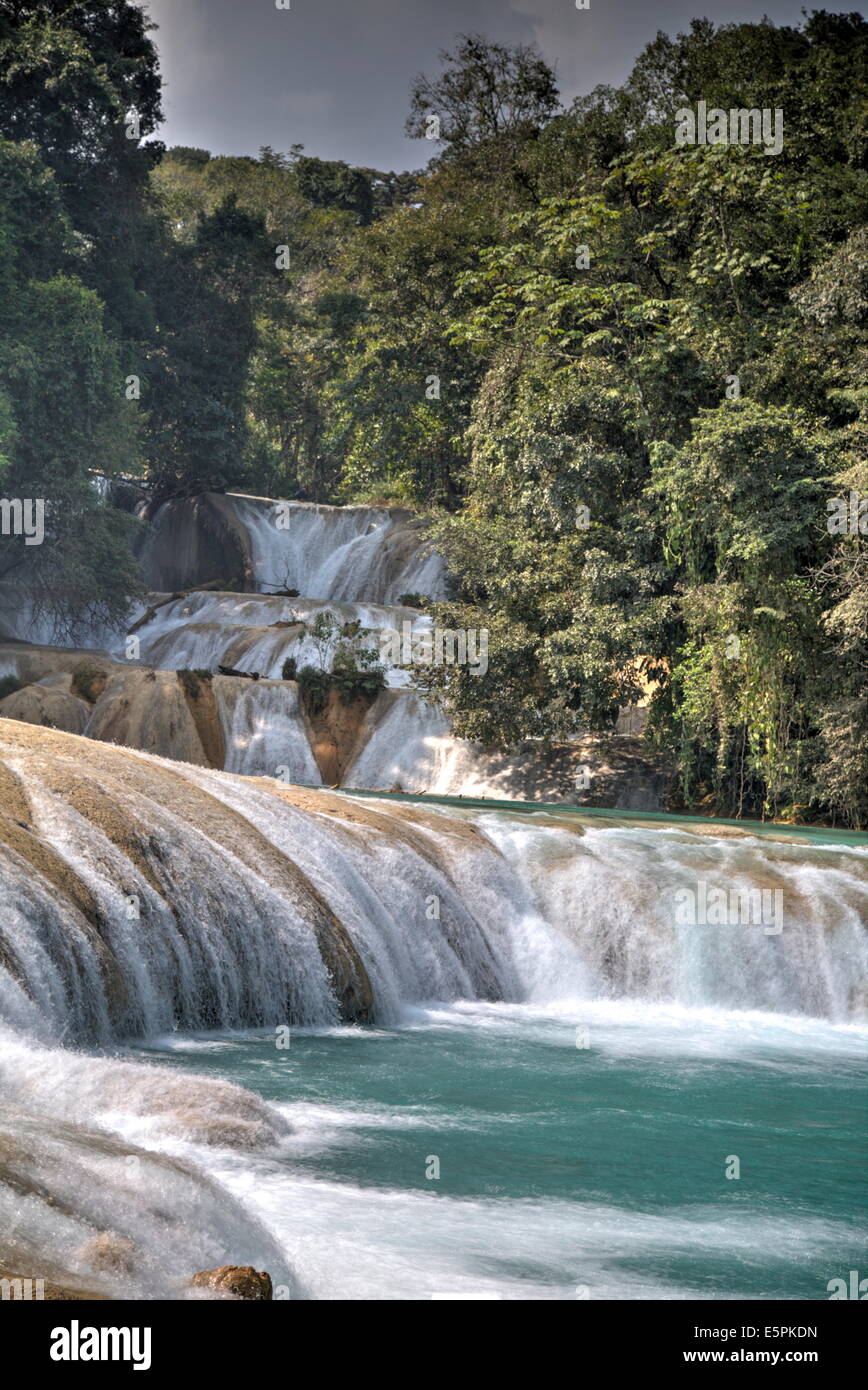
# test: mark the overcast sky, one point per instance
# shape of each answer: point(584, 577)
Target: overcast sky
point(333, 75)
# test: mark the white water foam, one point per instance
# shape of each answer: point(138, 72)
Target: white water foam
point(345, 553)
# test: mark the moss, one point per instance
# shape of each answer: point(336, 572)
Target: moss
point(89, 681)
point(192, 681)
point(9, 685)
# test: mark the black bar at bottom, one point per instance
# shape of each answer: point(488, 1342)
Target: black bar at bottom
point(215, 1339)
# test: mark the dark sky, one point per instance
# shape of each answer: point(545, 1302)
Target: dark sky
point(334, 75)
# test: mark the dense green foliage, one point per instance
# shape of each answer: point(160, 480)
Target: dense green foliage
point(62, 409)
point(668, 388)
point(623, 378)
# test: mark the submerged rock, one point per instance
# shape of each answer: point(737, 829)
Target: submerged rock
point(109, 1253)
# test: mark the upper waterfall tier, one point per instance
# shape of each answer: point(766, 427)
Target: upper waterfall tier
point(242, 583)
point(356, 554)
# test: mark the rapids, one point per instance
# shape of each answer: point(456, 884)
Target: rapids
point(148, 900)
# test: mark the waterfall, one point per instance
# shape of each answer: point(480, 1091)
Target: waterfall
point(617, 896)
point(338, 553)
point(142, 897)
point(264, 732)
point(21, 620)
point(353, 563)
point(410, 748)
point(324, 552)
point(256, 632)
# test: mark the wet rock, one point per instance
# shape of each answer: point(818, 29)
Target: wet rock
point(235, 1281)
point(334, 734)
point(194, 541)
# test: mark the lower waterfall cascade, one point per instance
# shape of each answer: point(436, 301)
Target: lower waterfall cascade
point(146, 899)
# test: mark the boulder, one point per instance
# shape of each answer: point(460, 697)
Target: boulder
point(235, 1281)
point(50, 706)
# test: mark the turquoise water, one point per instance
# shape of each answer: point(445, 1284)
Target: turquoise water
point(805, 834)
point(595, 1171)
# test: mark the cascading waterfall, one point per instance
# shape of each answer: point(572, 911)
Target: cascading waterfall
point(143, 897)
point(263, 729)
point(412, 748)
point(615, 895)
point(195, 899)
point(357, 561)
point(351, 562)
point(337, 553)
point(256, 632)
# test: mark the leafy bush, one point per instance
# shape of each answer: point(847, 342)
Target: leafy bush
point(314, 685)
point(355, 681)
point(9, 685)
point(289, 669)
point(361, 491)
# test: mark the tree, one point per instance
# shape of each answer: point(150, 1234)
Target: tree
point(197, 371)
point(741, 506)
point(672, 343)
point(332, 183)
point(80, 78)
point(62, 412)
point(487, 92)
